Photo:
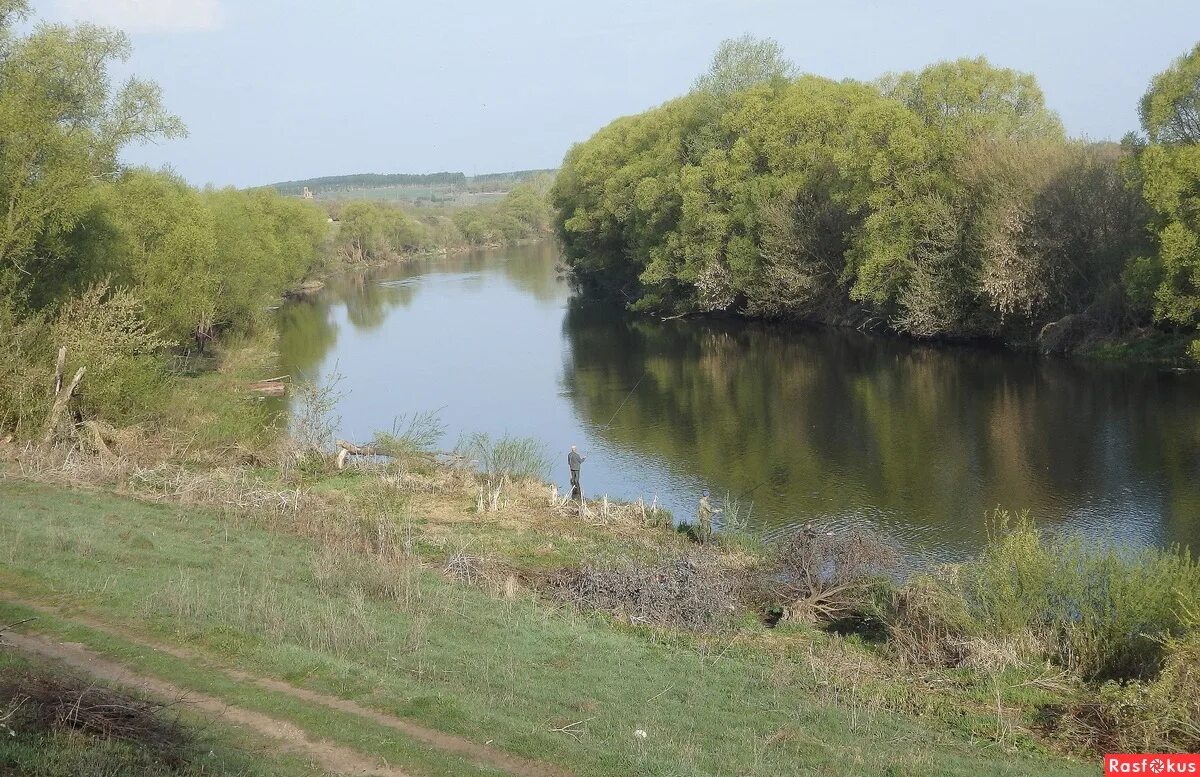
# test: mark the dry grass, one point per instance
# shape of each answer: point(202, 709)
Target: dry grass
point(43, 701)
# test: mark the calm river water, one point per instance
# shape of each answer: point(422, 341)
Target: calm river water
point(803, 424)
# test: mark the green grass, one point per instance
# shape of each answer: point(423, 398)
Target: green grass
point(450, 656)
point(217, 751)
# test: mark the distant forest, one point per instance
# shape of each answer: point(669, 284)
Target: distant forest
point(372, 180)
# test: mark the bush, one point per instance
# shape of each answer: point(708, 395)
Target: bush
point(1104, 611)
point(928, 624)
point(410, 436)
point(506, 458)
point(1099, 612)
point(26, 371)
point(825, 577)
point(688, 591)
point(105, 330)
point(1162, 715)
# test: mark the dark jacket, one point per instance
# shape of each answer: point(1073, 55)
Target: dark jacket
point(574, 460)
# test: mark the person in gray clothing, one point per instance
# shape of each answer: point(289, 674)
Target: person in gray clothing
point(574, 461)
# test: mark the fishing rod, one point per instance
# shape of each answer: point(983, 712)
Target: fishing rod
point(626, 399)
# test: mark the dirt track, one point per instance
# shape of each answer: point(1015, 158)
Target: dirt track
point(330, 757)
point(290, 739)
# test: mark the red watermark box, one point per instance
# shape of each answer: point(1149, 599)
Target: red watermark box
point(1151, 763)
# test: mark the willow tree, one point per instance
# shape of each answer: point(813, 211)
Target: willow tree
point(63, 125)
point(1169, 167)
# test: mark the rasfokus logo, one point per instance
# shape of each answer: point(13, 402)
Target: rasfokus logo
point(1151, 763)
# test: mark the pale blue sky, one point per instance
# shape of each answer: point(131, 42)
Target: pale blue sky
point(273, 90)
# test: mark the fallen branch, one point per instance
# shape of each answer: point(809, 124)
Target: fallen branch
point(348, 449)
point(570, 728)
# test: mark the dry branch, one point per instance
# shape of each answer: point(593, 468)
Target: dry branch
point(55, 702)
point(62, 397)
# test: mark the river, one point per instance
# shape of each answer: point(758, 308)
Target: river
point(794, 424)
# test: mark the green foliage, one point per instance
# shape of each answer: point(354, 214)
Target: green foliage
point(166, 246)
point(1169, 173)
point(1101, 612)
point(26, 369)
point(741, 63)
point(372, 231)
point(946, 202)
point(106, 331)
point(64, 127)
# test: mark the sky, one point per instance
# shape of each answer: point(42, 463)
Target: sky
point(275, 90)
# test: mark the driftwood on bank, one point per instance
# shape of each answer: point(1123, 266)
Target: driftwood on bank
point(348, 449)
point(271, 387)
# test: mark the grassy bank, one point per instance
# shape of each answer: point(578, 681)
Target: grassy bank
point(540, 681)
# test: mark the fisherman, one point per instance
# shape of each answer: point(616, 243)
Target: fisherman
point(574, 461)
point(705, 513)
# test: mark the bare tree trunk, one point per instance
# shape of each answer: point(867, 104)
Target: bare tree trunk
point(62, 396)
point(59, 366)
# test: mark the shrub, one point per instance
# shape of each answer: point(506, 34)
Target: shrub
point(928, 624)
point(689, 591)
point(105, 330)
point(824, 577)
point(411, 436)
point(1102, 613)
point(506, 458)
point(26, 371)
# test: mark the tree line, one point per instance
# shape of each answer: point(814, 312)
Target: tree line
point(374, 231)
point(944, 203)
point(366, 180)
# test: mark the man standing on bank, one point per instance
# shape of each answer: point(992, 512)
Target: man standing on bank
point(705, 511)
point(574, 461)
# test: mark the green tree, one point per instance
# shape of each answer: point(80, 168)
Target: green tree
point(1169, 171)
point(945, 202)
point(167, 249)
point(741, 63)
point(63, 126)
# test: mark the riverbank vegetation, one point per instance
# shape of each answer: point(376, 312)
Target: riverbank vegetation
point(1041, 644)
point(943, 203)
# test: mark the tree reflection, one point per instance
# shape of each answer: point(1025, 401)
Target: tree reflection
point(927, 438)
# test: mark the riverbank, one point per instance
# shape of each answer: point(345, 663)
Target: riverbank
point(538, 682)
point(387, 559)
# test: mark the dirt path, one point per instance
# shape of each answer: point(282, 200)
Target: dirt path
point(290, 739)
point(450, 743)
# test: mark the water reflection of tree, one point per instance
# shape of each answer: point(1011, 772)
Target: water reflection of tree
point(814, 422)
point(532, 269)
point(307, 332)
point(308, 327)
point(369, 300)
